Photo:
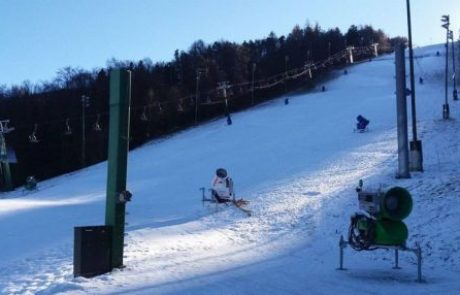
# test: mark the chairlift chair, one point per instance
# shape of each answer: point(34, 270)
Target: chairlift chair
point(33, 137)
point(97, 125)
point(68, 130)
point(160, 108)
point(144, 114)
point(180, 108)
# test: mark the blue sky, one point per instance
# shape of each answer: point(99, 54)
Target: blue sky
point(39, 37)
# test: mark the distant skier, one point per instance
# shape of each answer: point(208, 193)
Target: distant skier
point(222, 186)
point(362, 123)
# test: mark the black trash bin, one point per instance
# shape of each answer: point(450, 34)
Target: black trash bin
point(92, 250)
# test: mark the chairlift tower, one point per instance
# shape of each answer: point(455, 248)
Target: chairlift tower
point(84, 105)
point(254, 65)
point(199, 72)
point(224, 86)
point(4, 163)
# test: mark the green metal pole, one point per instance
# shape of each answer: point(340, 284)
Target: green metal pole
point(5, 165)
point(120, 97)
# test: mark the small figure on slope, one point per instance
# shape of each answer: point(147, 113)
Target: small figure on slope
point(361, 126)
point(222, 186)
point(222, 189)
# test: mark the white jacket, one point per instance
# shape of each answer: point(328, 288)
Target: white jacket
point(222, 186)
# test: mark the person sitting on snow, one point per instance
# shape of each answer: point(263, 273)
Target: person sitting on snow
point(222, 186)
point(362, 123)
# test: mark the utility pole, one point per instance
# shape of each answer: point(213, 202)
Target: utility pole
point(445, 107)
point(84, 105)
point(455, 94)
point(4, 163)
point(416, 160)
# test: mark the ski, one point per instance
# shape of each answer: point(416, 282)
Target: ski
point(239, 204)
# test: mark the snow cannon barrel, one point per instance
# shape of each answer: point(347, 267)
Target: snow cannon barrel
point(390, 232)
point(385, 225)
point(396, 204)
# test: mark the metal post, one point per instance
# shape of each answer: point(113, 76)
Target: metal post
point(227, 111)
point(224, 86)
point(401, 112)
point(120, 97)
point(342, 245)
point(458, 59)
point(199, 71)
point(197, 94)
point(455, 94)
point(445, 107)
point(83, 135)
point(416, 154)
point(84, 105)
point(396, 260)
point(419, 263)
point(5, 165)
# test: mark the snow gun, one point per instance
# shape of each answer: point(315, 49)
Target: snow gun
point(380, 223)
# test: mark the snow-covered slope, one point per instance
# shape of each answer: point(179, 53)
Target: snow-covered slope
point(297, 163)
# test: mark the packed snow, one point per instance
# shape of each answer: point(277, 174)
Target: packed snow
point(298, 164)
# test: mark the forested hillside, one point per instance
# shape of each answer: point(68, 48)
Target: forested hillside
point(50, 117)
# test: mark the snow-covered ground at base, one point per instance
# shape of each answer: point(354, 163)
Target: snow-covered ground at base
point(298, 164)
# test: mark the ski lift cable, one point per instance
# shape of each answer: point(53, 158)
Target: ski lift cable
point(263, 83)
